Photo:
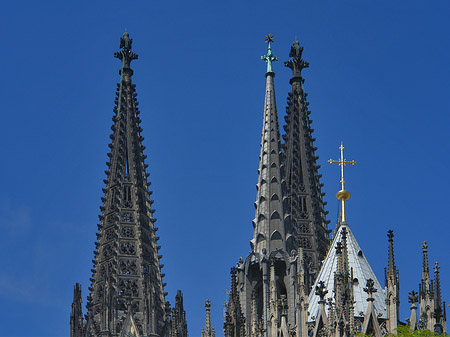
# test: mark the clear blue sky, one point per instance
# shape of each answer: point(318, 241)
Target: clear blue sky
point(379, 80)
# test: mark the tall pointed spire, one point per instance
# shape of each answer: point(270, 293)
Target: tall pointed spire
point(426, 299)
point(269, 225)
point(234, 325)
point(370, 325)
point(392, 288)
point(392, 270)
point(303, 196)
point(178, 325)
point(127, 288)
point(438, 310)
point(208, 331)
point(425, 268)
point(76, 316)
point(412, 298)
point(265, 278)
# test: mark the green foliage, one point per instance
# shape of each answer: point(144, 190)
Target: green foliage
point(405, 331)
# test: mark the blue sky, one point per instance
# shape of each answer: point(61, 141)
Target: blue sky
point(379, 80)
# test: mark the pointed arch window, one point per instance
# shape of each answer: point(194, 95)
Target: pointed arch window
point(127, 203)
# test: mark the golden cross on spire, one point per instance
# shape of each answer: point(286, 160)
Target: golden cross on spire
point(269, 38)
point(342, 195)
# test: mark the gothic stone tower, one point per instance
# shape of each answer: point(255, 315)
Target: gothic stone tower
point(304, 198)
point(127, 291)
point(290, 231)
point(293, 273)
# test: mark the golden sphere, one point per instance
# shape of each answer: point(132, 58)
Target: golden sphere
point(343, 195)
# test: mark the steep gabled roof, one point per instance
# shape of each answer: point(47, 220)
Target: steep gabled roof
point(361, 270)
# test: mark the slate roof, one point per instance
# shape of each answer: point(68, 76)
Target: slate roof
point(361, 272)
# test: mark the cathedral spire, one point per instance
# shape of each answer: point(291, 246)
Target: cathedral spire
point(303, 197)
point(125, 54)
point(126, 285)
point(269, 225)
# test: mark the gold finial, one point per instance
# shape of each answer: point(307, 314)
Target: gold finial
point(269, 38)
point(342, 195)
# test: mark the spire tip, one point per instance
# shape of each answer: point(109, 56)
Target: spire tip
point(269, 58)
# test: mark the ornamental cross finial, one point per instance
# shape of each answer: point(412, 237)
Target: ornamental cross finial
point(370, 289)
point(342, 195)
point(413, 297)
point(436, 267)
point(390, 235)
point(339, 248)
point(125, 54)
point(321, 290)
point(269, 58)
point(297, 63)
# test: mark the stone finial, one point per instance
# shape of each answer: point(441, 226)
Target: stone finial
point(413, 298)
point(370, 289)
point(436, 267)
point(392, 271)
point(390, 235)
point(297, 64)
point(339, 248)
point(283, 305)
point(269, 58)
point(437, 293)
point(321, 291)
point(208, 331)
point(425, 256)
point(125, 54)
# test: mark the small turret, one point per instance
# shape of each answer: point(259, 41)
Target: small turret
point(392, 288)
point(370, 324)
point(413, 318)
point(208, 330)
point(301, 304)
point(321, 322)
point(76, 316)
point(426, 299)
point(234, 325)
point(178, 324)
point(438, 314)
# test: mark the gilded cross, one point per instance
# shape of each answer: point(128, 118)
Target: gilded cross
point(269, 58)
point(342, 195)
